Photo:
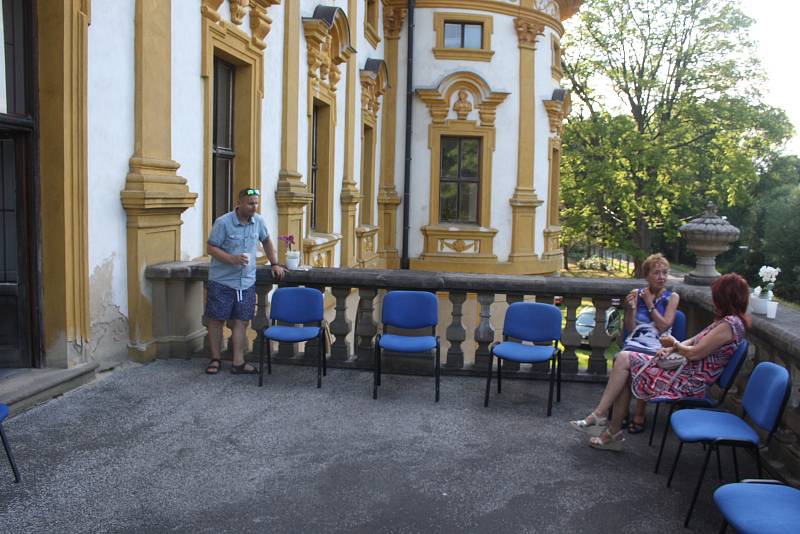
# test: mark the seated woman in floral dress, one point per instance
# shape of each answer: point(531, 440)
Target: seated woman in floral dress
point(707, 353)
point(649, 314)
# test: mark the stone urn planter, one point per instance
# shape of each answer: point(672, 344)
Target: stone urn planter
point(707, 236)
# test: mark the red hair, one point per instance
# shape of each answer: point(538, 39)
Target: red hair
point(731, 294)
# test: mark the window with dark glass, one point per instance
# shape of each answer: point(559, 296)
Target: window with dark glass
point(314, 166)
point(223, 150)
point(459, 180)
point(463, 35)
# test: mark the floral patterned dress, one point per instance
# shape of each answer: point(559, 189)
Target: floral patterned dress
point(695, 376)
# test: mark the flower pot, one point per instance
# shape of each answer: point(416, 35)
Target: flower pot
point(772, 309)
point(759, 305)
point(292, 260)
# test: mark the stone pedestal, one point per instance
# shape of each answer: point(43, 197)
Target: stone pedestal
point(707, 236)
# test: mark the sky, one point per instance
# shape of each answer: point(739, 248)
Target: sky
point(778, 40)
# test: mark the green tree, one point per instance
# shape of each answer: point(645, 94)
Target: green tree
point(667, 115)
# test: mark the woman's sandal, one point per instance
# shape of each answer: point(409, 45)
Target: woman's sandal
point(592, 427)
point(636, 428)
point(607, 441)
point(214, 366)
point(242, 370)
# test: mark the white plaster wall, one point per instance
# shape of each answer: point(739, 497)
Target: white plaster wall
point(187, 118)
point(110, 138)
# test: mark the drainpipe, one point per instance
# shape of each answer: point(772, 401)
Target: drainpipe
point(409, 117)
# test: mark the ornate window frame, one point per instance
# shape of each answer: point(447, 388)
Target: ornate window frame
point(223, 39)
point(484, 53)
point(465, 94)
point(555, 67)
point(372, 22)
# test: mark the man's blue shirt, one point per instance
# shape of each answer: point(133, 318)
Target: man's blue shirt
point(235, 238)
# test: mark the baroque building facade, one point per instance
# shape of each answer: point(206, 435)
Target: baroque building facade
point(137, 121)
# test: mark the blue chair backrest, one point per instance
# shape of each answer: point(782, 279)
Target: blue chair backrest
point(533, 321)
point(765, 395)
point(734, 364)
point(297, 305)
point(410, 309)
point(679, 326)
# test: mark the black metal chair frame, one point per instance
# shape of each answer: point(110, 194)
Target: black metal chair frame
point(713, 445)
point(322, 365)
point(7, 447)
point(555, 375)
point(376, 378)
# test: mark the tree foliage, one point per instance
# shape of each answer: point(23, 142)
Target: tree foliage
point(667, 115)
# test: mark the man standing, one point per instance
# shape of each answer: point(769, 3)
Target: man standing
point(232, 278)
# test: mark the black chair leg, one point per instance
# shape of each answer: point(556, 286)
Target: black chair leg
point(719, 466)
point(488, 381)
point(499, 373)
point(261, 361)
point(558, 376)
point(376, 376)
point(320, 356)
point(723, 527)
point(653, 425)
point(663, 440)
point(735, 464)
point(269, 356)
point(324, 355)
point(758, 461)
point(699, 483)
point(7, 447)
point(552, 383)
point(437, 369)
point(675, 463)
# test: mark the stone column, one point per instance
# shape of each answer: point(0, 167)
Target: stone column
point(350, 195)
point(525, 201)
point(154, 196)
point(388, 199)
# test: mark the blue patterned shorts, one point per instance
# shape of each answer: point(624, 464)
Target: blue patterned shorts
point(225, 303)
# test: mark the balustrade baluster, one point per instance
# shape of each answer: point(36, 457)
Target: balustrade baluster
point(310, 353)
point(366, 327)
point(570, 337)
point(484, 333)
point(599, 339)
point(341, 325)
point(511, 298)
point(456, 333)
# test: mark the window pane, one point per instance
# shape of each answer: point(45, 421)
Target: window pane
point(452, 35)
point(449, 157)
point(448, 202)
point(222, 184)
point(473, 35)
point(468, 203)
point(470, 149)
point(223, 104)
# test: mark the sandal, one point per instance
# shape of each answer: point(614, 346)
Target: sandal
point(242, 370)
point(636, 428)
point(214, 366)
point(607, 441)
point(592, 427)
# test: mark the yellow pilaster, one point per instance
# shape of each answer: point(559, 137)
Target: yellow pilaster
point(350, 196)
point(525, 201)
point(291, 194)
point(62, 32)
point(388, 199)
point(154, 196)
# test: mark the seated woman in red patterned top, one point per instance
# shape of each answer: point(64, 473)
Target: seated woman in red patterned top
point(707, 353)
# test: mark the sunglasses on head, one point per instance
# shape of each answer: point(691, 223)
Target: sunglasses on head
point(250, 192)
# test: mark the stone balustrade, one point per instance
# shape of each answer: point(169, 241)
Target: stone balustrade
point(472, 307)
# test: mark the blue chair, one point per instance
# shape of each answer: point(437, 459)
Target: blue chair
point(294, 305)
point(725, 381)
point(3, 415)
point(765, 398)
point(759, 507)
point(408, 310)
point(534, 322)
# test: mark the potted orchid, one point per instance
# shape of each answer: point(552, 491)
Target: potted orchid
point(763, 300)
point(292, 256)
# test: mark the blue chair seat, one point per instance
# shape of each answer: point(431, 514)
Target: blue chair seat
point(3, 411)
point(703, 425)
point(752, 508)
point(517, 352)
point(291, 334)
point(397, 343)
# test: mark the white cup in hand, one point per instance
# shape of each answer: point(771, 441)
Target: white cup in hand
point(247, 256)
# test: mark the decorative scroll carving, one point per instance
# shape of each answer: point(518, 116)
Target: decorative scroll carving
point(393, 18)
point(557, 110)
point(374, 81)
point(475, 87)
point(209, 9)
point(328, 46)
point(260, 22)
point(238, 9)
point(460, 245)
point(527, 32)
